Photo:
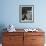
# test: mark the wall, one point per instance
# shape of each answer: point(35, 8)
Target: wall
point(10, 13)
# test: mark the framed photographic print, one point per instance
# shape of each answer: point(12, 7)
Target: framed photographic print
point(26, 13)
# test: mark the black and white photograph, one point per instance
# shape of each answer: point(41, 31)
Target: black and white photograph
point(26, 13)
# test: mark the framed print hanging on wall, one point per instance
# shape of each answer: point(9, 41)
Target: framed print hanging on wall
point(26, 13)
